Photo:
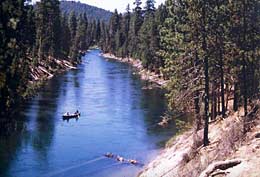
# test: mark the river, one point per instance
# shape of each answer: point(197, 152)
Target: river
point(117, 116)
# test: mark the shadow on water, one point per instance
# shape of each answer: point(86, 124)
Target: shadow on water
point(37, 131)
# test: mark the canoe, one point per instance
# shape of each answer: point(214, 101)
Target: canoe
point(70, 116)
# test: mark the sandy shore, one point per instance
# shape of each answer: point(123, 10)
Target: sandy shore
point(144, 73)
point(230, 152)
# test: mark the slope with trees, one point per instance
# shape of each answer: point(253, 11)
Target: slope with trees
point(92, 12)
point(208, 50)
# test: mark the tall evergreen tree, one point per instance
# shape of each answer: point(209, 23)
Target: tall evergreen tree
point(48, 28)
point(81, 33)
point(65, 36)
point(29, 29)
point(135, 25)
point(73, 30)
point(98, 31)
point(149, 6)
point(125, 31)
point(12, 54)
point(114, 25)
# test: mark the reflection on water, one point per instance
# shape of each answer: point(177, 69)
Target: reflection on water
point(116, 116)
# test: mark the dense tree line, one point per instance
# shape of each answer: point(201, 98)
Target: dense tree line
point(33, 35)
point(207, 49)
point(136, 34)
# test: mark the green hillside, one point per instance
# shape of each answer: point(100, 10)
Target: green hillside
point(91, 11)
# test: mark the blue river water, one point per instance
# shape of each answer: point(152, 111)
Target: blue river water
point(117, 116)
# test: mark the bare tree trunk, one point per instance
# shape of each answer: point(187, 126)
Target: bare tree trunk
point(235, 102)
point(218, 101)
point(223, 110)
point(206, 74)
point(227, 96)
point(213, 103)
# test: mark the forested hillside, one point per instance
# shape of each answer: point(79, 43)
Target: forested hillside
point(93, 13)
point(208, 50)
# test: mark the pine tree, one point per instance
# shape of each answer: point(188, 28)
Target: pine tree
point(135, 25)
point(12, 54)
point(160, 16)
point(149, 6)
point(103, 37)
point(149, 35)
point(81, 34)
point(28, 29)
point(65, 36)
point(73, 30)
point(94, 31)
point(98, 31)
point(114, 25)
point(125, 31)
point(48, 28)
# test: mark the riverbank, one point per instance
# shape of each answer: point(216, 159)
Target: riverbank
point(230, 152)
point(42, 71)
point(144, 73)
point(37, 75)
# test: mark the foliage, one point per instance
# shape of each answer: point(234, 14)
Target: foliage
point(208, 50)
point(92, 13)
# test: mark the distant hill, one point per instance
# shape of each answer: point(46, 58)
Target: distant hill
point(92, 12)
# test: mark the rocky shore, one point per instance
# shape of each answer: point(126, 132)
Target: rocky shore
point(144, 73)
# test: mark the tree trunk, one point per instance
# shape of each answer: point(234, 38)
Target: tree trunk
point(197, 122)
point(222, 165)
point(235, 103)
point(227, 95)
point(244, 84)
point(223, 110)
point(206, 108)
point(214, 102)
point(218, 101)
point(244, 58)
point(206, 74)
point(196, 101)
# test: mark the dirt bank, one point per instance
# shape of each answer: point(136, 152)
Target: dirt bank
point(144, 73)
point(43, 71)
point(231, 152)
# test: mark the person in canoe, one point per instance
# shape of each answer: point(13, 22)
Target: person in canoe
point(73, 115)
